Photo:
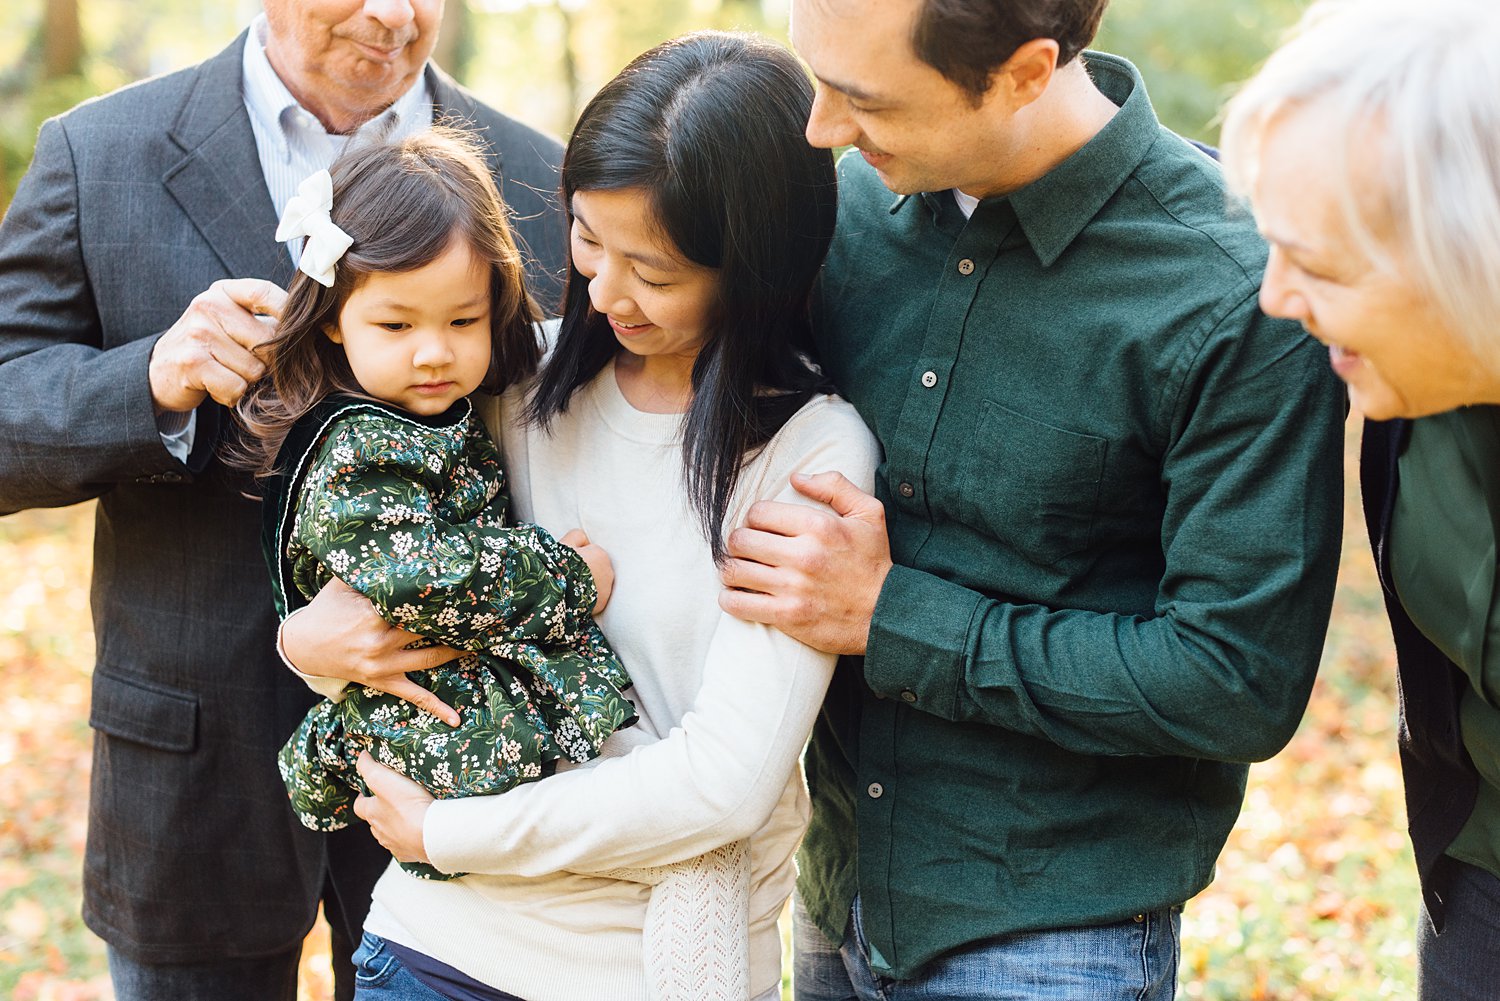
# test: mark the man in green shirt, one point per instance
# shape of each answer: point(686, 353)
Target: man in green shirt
point(1095, 578)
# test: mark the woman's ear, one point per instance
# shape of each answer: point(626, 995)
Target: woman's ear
point(332, 332)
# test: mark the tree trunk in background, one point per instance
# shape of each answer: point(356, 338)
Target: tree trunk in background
point(569, 61)
point(455, 47)
point(62, 40)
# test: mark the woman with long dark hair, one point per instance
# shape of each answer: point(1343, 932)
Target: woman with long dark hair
point(676, 394)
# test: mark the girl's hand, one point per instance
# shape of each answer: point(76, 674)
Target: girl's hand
point(394, 809)
point(599, 565)
point(340, 635)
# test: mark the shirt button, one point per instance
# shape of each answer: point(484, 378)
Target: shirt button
point(907, 695)
point(966, 267)
point(876, 790)
point(929, 379)
point(907, 490)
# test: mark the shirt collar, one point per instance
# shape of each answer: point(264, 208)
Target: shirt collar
point(1056, 207)
point(277, 112)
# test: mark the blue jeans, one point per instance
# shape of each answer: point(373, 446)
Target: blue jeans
point(265, 978)
point(1134, 960)
point(380, 976)
point(1463, 963)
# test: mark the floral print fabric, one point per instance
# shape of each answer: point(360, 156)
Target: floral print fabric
point(413, 514)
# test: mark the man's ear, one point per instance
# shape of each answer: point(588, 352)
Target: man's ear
point(1024, 77)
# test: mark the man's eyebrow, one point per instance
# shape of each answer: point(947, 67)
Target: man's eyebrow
point(851, 90)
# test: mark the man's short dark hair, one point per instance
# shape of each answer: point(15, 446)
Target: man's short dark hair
point(967, 40)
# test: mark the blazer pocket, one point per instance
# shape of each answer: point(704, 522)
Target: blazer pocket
point(144, 712)
point(1033, 486)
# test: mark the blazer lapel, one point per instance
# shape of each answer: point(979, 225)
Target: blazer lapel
point(452, 105)
point(219, 183)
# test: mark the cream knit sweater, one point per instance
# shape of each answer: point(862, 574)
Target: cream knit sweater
point(725, 709)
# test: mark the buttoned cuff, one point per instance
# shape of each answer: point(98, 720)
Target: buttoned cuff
point(920, 640)
point(330, 688)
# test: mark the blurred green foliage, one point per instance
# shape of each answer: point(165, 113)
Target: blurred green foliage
point(541, 59)
point(1194, 53)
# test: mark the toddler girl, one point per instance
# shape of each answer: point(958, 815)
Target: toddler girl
point(377, 471)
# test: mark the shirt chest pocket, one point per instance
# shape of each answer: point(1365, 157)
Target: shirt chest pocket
point(1033, 486)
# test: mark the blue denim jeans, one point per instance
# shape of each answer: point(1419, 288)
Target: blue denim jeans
point(380, 976)
point(1134, 960)
point(1463, 963)
point(265, 978)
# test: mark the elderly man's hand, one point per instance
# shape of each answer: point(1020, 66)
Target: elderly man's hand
point(210, 350)
point(814, 574)
point(340, 635)
point(394, 810)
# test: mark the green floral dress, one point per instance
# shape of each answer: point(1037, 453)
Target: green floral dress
point(412, 512)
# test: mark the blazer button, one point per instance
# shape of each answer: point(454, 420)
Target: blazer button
point(876, 790)
point(907, 490)
point(929, 379)
point(966, 267)
point(907, 695)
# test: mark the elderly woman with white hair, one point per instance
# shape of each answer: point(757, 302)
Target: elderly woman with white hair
point(1369, 146)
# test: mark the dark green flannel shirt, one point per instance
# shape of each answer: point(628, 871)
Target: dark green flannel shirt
point(1113, 489)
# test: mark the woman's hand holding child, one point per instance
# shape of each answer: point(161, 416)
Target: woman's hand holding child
point(340, 635)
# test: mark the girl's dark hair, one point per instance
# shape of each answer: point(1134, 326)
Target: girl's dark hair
point(710, 128)
point(403, 202)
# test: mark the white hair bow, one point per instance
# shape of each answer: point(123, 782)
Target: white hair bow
point(306, 214)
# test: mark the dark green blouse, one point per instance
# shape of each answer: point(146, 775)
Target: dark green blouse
point(1443, 547)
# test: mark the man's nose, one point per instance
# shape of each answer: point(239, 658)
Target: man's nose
point(394, 14)
point(829, 125)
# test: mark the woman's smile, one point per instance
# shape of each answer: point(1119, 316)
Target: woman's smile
point(629, 329)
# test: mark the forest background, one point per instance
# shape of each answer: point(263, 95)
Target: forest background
point(1315, 896)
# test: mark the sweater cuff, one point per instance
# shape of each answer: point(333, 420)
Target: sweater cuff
point(919, 640)
point(448, 837)
point(331, 689)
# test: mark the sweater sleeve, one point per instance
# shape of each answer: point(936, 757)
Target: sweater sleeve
point(714, 779)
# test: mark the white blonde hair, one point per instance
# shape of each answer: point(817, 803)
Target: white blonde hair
point(1414, 91)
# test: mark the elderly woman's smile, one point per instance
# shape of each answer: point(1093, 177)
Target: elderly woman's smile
point(1353, 291)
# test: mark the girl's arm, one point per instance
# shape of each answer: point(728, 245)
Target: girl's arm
point(718, 775)
point(369, 514)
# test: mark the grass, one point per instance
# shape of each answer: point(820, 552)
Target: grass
point(1315, 896)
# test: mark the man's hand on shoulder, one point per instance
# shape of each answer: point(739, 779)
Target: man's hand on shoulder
point(812, 573)
point(210, 350)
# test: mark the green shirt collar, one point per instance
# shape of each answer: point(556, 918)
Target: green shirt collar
point(1056, 207)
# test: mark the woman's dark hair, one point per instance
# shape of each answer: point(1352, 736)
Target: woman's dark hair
point(403, 202)
point(968, 40)
point(710, 128)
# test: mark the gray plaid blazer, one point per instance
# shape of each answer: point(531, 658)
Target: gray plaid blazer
point(135, 203)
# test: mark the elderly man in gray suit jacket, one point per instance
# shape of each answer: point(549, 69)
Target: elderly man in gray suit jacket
point(136, 263)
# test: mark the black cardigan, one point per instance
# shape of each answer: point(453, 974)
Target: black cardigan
point(1440, 778)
